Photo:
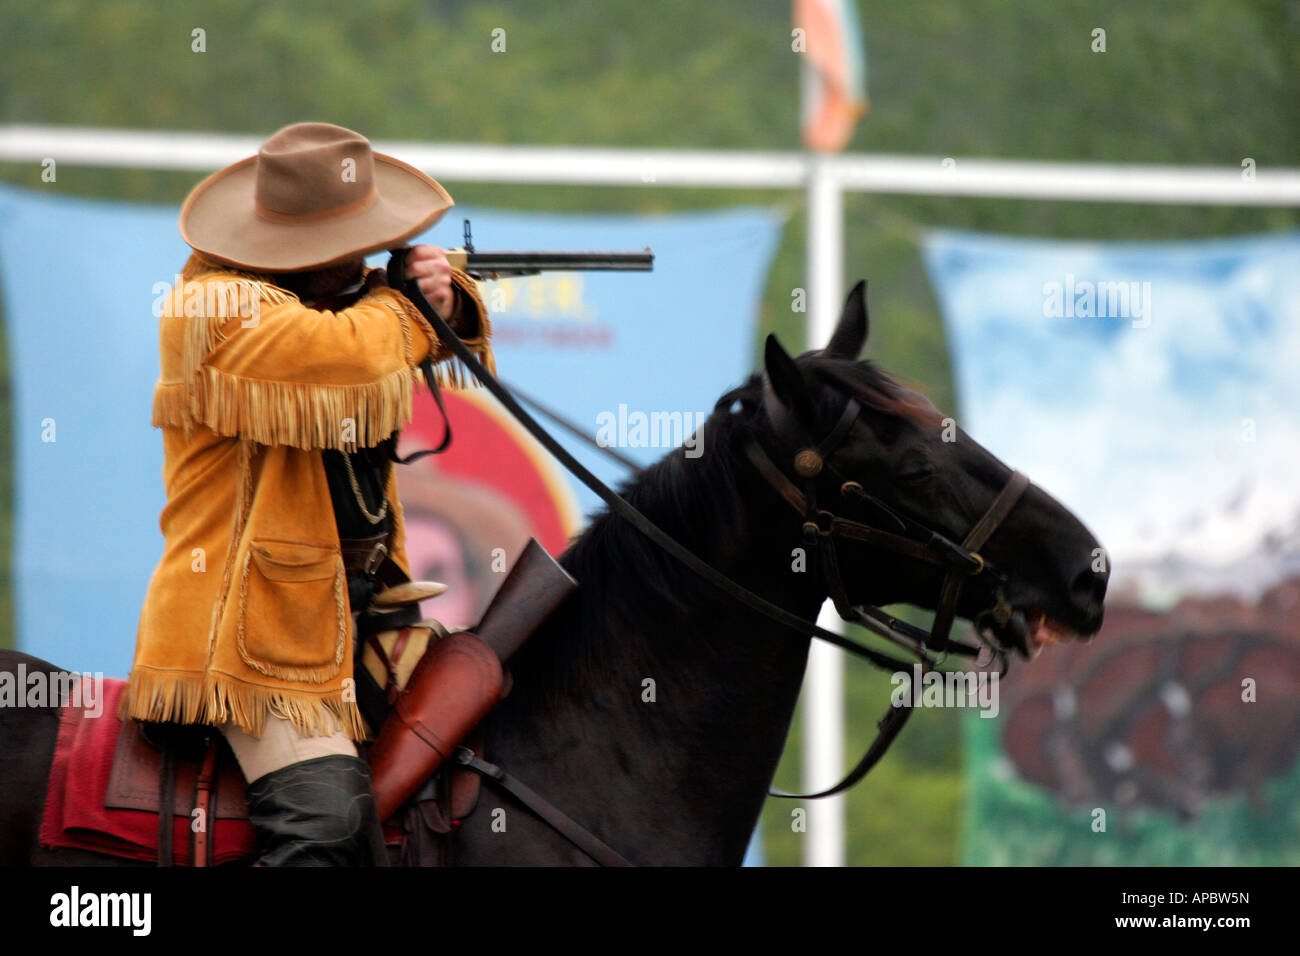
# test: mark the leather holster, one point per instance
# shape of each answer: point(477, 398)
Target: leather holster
point(459, 680)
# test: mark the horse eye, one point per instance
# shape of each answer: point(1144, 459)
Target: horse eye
point(917, 472)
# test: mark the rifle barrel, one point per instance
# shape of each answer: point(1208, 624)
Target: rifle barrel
point(532, 262)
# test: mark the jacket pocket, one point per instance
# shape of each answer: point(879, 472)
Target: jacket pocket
point(293, 614)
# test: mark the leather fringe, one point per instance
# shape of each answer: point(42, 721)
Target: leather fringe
point(292, 413)
point(187, 698)
point(297, 414)
point(287, 413)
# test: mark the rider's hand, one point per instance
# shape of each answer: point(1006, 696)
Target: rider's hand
point(429, 265)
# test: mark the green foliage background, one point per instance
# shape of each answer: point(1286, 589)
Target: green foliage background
point(1179, 83)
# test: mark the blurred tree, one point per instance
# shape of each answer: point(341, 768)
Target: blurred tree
point(1178, 83)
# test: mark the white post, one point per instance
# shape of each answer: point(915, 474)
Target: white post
point(823, 693)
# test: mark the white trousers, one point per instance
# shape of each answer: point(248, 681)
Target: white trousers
point(281, 745)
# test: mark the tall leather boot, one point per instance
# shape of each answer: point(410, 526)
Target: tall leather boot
point(318, 812)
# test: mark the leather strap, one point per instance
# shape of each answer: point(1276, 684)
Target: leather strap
point(936, 549)
point(784, 422)
point(166, 805)
point(396, 276)
point(776, 478)
point(431, 380)
point(609, 451)
point(399, 645)
point(821, 527)
point(842, 425)
point(201, 854)
point(599, 851)
point(391, 690)
point(1016, 486)
point(844, 528)
point(976, 539)
point(359, 553)
point(888, 728)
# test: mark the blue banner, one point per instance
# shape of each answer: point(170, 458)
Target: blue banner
point(617, 353)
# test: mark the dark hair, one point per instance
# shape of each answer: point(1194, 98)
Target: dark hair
point(319, 283)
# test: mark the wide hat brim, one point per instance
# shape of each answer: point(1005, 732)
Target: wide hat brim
point(220, 220)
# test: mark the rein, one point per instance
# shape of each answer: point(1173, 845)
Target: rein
point(820, 527)
point(616, 502)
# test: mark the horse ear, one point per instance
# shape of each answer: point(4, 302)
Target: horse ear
point(851, 333)
point(787, 381)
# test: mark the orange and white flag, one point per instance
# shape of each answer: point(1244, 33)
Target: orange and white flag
point(828, 35)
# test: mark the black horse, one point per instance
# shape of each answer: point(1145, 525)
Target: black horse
point(651, 708)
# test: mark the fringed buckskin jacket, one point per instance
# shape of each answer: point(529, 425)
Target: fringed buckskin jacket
point(248, 608)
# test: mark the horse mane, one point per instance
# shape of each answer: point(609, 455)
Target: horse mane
point(626, 580)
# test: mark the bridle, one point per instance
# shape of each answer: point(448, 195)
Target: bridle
point(822, 527)
point(810, 459)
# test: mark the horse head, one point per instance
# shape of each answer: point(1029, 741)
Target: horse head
point(868, 452)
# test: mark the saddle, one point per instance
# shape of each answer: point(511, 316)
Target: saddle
point(112, 780)
point(105, 786)
point(174, 794)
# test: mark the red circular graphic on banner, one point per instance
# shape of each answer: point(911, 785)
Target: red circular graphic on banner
point(470, 510)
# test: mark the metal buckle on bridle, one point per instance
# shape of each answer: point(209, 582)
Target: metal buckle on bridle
point(956, 555)
point(822, 522)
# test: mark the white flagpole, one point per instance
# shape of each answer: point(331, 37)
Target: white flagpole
point(823, 691)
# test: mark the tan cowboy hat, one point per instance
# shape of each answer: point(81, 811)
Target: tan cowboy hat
point(314, 195)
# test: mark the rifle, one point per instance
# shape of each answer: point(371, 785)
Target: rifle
point(497, 265)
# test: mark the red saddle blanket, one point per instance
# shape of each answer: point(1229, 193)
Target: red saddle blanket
point(105, 782)
point(104, 786)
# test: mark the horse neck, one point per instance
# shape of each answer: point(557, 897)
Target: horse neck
point(654, 677)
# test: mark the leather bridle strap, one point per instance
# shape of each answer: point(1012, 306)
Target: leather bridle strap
point(821, 527)
point(599, 851)
point(888, 728)
point(947, 609)
point(837, 526)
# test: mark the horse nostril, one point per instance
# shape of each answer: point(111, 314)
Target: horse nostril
point(1089, 588)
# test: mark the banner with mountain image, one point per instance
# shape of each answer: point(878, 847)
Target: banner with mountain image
point(1152, 388)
